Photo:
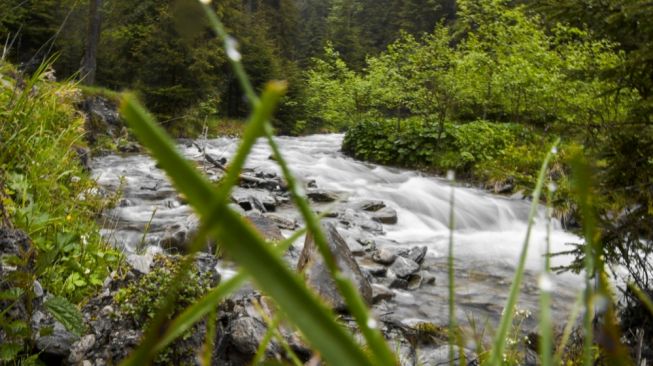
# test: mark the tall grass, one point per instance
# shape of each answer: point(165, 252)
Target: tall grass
point(261, 262)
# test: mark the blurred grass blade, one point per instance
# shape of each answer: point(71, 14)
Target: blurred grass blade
point(368, 326)
point(545, 285)
point(198, 310)
point(498, 349)
point(648, 303)
point(244, 245)
point(569, 327)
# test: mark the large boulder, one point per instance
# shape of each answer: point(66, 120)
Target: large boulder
point(318, 276)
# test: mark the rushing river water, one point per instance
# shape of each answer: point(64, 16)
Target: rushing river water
point(489, 231)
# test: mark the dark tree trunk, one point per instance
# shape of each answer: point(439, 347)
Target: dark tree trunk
point(89, 62)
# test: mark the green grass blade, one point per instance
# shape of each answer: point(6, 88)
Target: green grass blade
point(198, 310)
point(648, 303)
point(569, 327)
point(368, 326)
point(247, 248)
point(545, 344)
point(496, 355)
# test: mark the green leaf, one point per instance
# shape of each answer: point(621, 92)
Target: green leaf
point(66, 313)
point(9, 351)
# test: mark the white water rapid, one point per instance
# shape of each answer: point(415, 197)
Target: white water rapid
point(488, 238)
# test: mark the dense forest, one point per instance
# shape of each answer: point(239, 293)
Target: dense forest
point(481, 89)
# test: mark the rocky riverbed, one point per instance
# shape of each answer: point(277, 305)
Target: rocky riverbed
point(387, 227)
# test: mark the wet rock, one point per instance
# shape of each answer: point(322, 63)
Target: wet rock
point(404, 267)
point(354, 246)
point(416, 254)
point(250, 199)
point(400, 283)
point(374, 269)
point(282, 222)
point(369, 205)
point(384, 256)
point(321, 195)
point(317, 274)
point(265, 181)
point(380, 293)
point(311, 184)
point(266, 226)
point(386, 215)
point(414, 281)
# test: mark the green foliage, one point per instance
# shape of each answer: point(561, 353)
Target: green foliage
point(47, 192)
point(140, 300)
point(66, 313)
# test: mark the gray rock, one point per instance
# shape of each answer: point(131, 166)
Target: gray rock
point(282, 221)
point(57, 344)
point(80, 347)
point(266, 226)
point(374, 269)
point(318, 276)
point(369, 205)
point(321, 195)
point(384, 256)
point(414, 281)
point(440, 356)
point(14, 241)
point(386, 215)
point(400, 283)
point(355, 247)
point(404, 267)
point(246, 335)
point(142, 262)
point(416, 254)
point(250, 199)
point(38, 289)
point(380, 293)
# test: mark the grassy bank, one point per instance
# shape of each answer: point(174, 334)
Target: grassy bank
point(47, 192)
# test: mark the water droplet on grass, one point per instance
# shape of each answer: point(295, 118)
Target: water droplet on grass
point(231, 45)
point(545, 283)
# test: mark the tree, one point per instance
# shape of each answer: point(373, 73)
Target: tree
point(89, 62)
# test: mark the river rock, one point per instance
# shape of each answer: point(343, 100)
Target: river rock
point(384, 256)
point(266, 226)
point(416, 254)
point(381, 293)
point(386, 215)
point(321, 195)
point(317, 275)
point(404, 267)
point(265, 181)
point(282, 222)
point(374, 269)
point(250, 199)
point(369, 205)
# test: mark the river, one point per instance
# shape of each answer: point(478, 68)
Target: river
point(488, 237)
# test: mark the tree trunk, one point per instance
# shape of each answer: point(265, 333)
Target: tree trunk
point(89, 62)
